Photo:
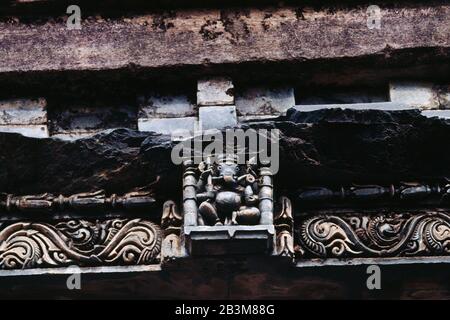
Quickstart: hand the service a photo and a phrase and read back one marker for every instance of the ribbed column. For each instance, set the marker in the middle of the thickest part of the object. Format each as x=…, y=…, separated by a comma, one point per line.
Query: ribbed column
x=266, y=196
x=189, y=197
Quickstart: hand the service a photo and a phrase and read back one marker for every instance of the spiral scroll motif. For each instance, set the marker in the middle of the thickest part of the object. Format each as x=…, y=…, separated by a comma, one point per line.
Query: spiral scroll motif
x=85, y=243
x=388, y=235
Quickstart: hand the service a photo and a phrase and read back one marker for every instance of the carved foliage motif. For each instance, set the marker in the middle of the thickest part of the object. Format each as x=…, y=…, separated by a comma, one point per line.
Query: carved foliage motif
x=388, y=235
x=84, y=243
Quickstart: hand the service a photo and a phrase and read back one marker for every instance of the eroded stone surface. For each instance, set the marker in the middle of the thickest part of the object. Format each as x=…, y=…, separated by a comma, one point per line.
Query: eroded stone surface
x=116, y=161
x=170, y=126
x=216, y=36
x=416, y=94
x=165, y=106
x=216, y=91
x=325, y=147
x=265, y=101
x=23, y=111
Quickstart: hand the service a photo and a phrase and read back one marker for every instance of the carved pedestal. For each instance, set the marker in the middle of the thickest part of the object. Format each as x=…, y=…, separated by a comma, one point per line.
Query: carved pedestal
x=227, y=240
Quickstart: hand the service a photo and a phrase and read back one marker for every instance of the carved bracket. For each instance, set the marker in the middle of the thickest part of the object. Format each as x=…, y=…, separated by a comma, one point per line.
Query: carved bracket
x=284, y=227
x=171, y=222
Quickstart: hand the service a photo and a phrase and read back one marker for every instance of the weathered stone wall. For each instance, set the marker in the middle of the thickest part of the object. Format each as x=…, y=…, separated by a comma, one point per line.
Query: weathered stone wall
x=89, y=80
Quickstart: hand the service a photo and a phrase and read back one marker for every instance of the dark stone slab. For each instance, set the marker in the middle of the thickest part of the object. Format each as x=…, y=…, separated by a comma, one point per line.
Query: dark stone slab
x=116, y=161
x=324, y=147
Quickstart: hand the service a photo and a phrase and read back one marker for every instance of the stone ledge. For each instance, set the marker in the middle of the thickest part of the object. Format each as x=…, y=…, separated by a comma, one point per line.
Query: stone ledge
x=312, y=263
x=228, y=240
x=444, y=114
x=83, y=270
x=168, y=125
x=23, y=112
x=386, y=106
x=32, y=131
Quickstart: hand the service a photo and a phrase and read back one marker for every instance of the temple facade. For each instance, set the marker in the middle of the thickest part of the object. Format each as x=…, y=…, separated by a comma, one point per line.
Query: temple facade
x=225, y=150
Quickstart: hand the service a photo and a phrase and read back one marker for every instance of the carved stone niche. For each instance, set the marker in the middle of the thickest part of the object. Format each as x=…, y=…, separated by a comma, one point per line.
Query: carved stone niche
x=227, y=207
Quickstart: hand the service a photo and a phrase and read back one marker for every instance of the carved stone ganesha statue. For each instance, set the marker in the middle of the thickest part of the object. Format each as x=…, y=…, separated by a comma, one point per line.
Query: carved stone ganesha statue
x=229, y=193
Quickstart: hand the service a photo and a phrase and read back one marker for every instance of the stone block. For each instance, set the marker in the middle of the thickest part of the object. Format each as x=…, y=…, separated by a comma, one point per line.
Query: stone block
x=170, y=126
x=217, y=117
x=165, y=106
x=215, y=92
x=33, y=131
x=23, y=111
x=417, y=94
x=79, y=119
x=265, y=101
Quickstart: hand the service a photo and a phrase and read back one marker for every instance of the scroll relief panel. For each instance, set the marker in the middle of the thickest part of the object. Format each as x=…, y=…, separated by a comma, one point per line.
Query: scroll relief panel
x=379, y=235
x=26, y=244
x=392, y=230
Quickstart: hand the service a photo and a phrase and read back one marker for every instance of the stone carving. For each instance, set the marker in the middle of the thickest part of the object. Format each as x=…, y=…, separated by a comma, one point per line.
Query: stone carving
x=78, y=202
x=284, y=227
x=386, y=235
x=171, y=219
x=404, y=192
x=26, y=245
x=171, y=222
x=227, y=207
x=231, y=194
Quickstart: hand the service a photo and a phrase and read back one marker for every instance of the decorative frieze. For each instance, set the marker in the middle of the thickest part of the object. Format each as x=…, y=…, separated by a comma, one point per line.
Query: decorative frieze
x=25, y=245
x=393, y=234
